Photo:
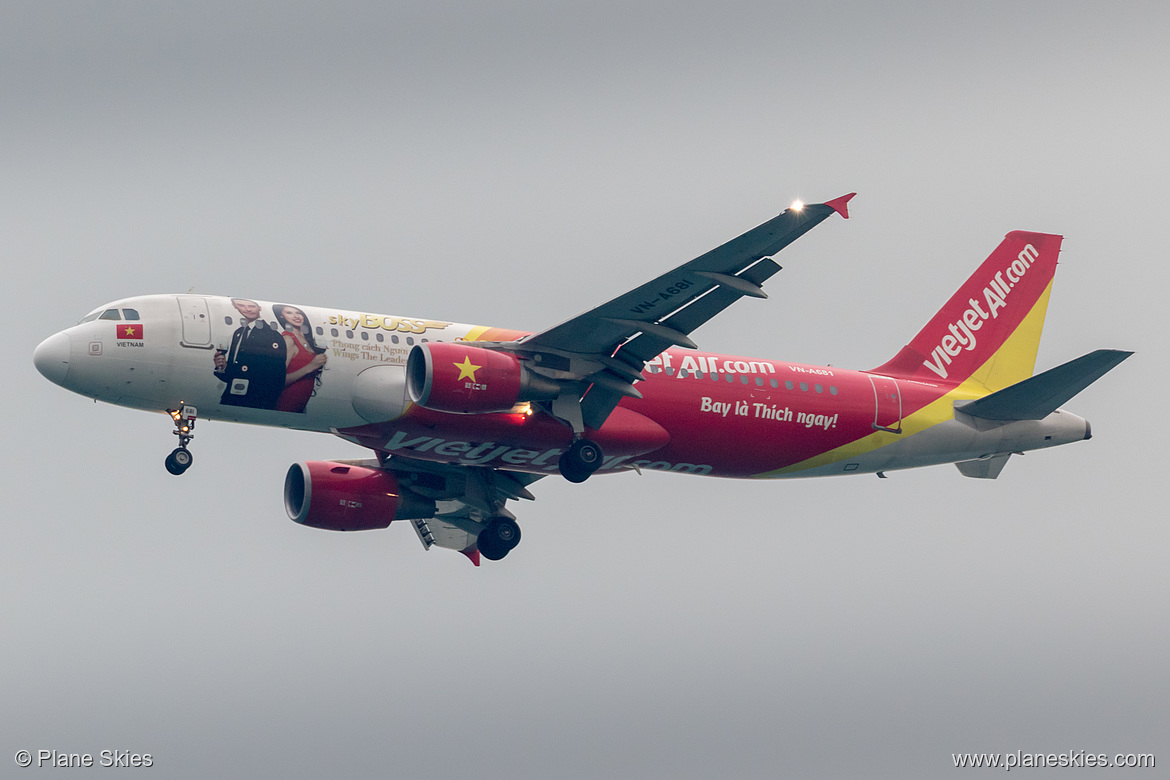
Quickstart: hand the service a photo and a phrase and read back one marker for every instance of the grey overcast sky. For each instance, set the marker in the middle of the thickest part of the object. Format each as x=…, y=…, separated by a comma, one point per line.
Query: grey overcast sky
x=511, y=164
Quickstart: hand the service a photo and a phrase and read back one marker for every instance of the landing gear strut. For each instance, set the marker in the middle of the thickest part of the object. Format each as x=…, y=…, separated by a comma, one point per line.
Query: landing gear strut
x=498, y=539
x=580, y=461
x=180, y=458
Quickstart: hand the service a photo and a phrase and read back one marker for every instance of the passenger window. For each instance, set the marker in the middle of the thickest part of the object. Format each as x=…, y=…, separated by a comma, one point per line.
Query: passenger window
x=788, y=384
x=832, y=390
x=714, y=377
x=394, y=338
x=130, y=314
x=804, y=387
x=320, y=331
x=743, y=378
x=670, y=371
x=365, y=335
x=819, y=388
x=759, y=381
x=334, y=332
x=775, y=384
x=379, y=337
x=410, y=341
x=110, y=314
x=730, y=378
x=227, y=320
x=349, y=334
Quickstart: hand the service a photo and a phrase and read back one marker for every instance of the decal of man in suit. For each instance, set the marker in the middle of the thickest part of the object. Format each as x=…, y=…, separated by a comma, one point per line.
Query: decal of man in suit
x=254, y=365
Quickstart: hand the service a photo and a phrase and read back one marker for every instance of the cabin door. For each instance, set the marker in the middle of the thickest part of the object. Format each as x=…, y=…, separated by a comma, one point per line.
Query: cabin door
x=196, y=321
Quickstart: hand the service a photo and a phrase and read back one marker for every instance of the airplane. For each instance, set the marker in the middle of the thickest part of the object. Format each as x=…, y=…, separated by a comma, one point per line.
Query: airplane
x=460, y=419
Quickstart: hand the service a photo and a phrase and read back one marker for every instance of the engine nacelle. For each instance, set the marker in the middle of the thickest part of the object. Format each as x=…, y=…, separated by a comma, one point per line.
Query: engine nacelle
x=455, y=377
x=346, y=497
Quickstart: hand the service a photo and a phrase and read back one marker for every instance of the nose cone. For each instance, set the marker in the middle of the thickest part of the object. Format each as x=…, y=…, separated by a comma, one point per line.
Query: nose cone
x=52, y=358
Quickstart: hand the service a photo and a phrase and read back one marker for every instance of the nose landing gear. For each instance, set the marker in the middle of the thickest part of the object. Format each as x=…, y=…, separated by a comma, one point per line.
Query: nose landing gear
x=180, y=458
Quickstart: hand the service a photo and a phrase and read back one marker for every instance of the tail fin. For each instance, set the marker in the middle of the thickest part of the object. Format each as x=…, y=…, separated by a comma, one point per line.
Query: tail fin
x=989, y=331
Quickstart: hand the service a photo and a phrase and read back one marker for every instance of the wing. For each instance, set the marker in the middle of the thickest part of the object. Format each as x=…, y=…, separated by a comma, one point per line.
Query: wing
x=606, y=348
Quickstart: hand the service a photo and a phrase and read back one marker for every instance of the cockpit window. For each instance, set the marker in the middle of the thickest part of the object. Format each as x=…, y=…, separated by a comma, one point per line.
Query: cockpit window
x=130, y=314
x=89, y=317
x=110, y=314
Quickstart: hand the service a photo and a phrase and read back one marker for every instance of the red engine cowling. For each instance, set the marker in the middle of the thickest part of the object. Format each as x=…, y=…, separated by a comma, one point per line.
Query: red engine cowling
x=342, y=497
x=455, y=377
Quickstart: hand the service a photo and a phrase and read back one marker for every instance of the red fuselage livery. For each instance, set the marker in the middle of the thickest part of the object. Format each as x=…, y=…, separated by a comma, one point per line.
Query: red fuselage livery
x=461, y=419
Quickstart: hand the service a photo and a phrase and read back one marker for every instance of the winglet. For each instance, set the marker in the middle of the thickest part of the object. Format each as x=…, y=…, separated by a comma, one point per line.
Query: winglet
x=841, y=204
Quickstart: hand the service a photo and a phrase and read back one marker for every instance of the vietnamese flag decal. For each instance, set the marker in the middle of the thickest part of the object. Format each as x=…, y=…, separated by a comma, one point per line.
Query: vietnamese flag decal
x=132, y=330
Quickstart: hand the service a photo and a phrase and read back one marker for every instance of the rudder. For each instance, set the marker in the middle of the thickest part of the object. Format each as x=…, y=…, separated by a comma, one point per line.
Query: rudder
x=989, y=331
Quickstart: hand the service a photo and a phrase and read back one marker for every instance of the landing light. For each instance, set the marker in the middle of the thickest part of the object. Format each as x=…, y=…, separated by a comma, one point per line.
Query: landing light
x=797, y=205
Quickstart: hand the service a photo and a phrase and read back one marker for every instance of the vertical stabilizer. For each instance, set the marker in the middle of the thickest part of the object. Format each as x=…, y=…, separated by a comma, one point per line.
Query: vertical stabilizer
x=989, y=331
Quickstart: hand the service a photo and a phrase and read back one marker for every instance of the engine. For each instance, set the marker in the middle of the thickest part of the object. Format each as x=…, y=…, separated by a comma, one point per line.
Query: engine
x=455, y=377
x=348, y=497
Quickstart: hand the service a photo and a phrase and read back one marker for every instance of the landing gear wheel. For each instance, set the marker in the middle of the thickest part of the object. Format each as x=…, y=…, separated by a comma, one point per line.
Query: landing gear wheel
x=180, y=458
x=179, y=461
x=498, y=539
x=580, y=461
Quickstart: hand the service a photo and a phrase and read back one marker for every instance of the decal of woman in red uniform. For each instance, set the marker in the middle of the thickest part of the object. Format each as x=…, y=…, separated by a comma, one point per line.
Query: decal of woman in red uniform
x=304, y=360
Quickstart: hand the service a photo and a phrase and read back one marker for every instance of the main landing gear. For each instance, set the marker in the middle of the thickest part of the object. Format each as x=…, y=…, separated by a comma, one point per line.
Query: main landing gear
x=180, y=458
x=580, y=461
x=499, y=538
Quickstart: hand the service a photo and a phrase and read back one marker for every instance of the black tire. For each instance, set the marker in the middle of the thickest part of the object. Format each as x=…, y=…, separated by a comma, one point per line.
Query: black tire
x=179, y=461
x=571, y=470
x=581, y=459
x=588, y=454
x=498, y=539
x=490, y=547
x=506, y=531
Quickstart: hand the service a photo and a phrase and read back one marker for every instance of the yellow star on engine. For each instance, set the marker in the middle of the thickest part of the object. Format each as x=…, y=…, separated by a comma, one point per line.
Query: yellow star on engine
x=466, y=369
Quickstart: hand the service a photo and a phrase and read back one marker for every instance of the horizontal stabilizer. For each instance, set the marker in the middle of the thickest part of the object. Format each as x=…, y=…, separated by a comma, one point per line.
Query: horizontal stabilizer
x=1043, y=394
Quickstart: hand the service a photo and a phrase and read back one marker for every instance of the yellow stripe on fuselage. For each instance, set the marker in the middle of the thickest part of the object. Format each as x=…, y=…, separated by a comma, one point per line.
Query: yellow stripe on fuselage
x=1013, y=362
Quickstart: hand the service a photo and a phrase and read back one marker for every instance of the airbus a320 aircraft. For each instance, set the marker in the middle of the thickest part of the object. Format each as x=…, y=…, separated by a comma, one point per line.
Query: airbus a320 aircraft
x=461, y=419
